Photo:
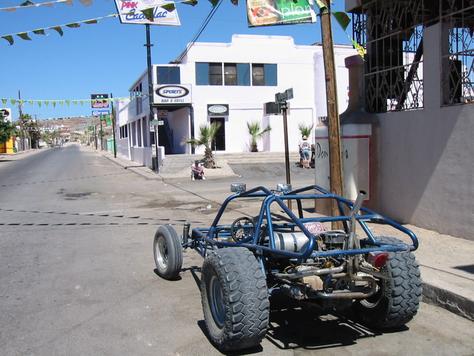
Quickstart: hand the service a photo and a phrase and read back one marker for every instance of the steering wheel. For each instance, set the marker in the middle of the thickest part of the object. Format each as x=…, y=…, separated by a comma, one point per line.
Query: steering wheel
x=242, y=228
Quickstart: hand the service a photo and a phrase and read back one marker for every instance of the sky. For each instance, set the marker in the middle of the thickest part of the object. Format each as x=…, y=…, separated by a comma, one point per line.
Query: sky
x=108, y=57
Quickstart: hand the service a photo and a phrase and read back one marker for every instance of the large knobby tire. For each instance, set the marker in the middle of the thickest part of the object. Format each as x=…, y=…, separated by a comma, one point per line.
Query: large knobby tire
x=234, y=299
x=168, y=252
x=398, y=298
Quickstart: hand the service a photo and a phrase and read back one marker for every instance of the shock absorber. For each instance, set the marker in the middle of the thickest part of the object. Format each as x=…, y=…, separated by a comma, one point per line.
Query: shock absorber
x=186, y=229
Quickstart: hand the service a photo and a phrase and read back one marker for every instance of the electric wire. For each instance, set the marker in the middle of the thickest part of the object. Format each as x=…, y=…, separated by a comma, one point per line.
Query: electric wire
x=198, y=33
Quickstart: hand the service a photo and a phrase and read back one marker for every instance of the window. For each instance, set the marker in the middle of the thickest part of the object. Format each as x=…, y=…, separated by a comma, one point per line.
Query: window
x=144, y=134
x=264, y=74
x=215, y=73
x=168, y=75
x=243, y=74
x=230, y=74
x=236, y=74
x=136, y=95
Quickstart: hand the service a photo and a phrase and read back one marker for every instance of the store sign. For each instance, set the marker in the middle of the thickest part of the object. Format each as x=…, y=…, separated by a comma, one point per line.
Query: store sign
x=6, y=113
x=100, y=101
x=130, y=12
x=218, y=109
x=279, y=12
x=172, y=94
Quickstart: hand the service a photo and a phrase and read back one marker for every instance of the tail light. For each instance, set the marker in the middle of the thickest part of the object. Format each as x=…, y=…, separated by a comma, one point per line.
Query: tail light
x=378, y=260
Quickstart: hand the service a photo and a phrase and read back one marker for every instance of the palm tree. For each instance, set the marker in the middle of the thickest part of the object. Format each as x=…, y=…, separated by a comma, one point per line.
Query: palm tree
x=207, y=134
x=255, y=133
x=305, y=130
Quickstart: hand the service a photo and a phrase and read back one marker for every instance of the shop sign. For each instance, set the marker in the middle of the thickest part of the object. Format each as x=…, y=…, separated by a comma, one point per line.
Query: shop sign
x=279, y=12
x=172, y=94
x=218, y=109
x=6, y=113
x=130, y=12
x=100, y=101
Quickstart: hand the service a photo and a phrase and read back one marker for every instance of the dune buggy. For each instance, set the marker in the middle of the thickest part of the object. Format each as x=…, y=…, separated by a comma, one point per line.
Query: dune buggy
x=295, y=253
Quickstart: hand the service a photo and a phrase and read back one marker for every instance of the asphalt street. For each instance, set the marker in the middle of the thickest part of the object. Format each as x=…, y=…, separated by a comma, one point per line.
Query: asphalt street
x=77, y=272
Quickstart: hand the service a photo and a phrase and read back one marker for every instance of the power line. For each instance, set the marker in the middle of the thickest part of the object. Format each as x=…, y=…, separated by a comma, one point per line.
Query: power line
x=198, y=33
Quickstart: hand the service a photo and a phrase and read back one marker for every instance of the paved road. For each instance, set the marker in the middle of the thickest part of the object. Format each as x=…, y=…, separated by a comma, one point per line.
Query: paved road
x=76, y=273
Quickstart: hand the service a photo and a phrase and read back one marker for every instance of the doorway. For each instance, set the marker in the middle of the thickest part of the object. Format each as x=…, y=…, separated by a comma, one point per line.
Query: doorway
x=219, y=142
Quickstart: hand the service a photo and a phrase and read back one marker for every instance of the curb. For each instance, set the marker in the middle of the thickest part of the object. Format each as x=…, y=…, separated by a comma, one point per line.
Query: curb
x=448, y=300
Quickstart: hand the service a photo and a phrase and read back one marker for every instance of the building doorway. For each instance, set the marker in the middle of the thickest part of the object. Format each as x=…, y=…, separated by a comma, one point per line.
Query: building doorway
x=219, y=142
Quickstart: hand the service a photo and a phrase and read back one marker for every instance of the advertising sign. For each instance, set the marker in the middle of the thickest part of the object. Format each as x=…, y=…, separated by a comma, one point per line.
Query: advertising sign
x=217, y=109
x=279, y=12
x=100, y=101
x=130, y=12
x=6, y=114
x=172, y=94
x=99, y=112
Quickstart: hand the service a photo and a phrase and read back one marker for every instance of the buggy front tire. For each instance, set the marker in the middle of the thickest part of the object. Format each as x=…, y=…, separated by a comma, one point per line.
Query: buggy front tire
x=167, y=252
x=399, y=295
x=234, y=299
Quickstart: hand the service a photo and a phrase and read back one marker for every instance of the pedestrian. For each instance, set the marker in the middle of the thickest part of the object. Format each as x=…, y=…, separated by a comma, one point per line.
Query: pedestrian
x=197, y=171
x=305, y=152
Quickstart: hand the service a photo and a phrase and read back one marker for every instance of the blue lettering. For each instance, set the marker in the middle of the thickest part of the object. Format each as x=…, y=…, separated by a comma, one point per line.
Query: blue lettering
x=132, y=15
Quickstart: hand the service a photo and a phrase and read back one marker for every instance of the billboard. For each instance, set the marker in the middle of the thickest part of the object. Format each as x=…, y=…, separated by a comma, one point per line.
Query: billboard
x=100, y=101
x=172, y=94
x=6, y=113
x=279, y=12
x=130, y=12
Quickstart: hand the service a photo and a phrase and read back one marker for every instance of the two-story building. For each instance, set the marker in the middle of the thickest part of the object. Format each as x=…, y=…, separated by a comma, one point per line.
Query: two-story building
x=229, y=83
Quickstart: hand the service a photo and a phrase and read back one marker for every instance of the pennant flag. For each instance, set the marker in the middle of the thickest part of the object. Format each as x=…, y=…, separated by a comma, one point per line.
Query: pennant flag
x=90, y=22
x=13, y=101
x=46, y=102
x=235, y=2
x=148, y=13
x=39, y=32
x=27, y=3
x=190, y=2
x=86, y=2
x=39, y=103
x=31, y=102
x=321, y=5
x=360, y=49
x=168, y=7
x=73, y=25
x=24, y=36
x=68, y=102
x=75, y=102
x=9, y=38
x=54, y=103
x=4, y=101
x=342, y=18
x=68, y=2
x=58, y=29
x=214, y=2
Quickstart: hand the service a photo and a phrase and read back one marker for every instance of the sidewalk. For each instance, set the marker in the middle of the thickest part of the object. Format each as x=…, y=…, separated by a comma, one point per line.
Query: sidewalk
x=18, y=155
x=446, y=262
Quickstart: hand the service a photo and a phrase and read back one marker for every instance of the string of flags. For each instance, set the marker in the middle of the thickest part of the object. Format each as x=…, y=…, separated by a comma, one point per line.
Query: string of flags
x=55, y=102
x=58, y=28
x=29, y=4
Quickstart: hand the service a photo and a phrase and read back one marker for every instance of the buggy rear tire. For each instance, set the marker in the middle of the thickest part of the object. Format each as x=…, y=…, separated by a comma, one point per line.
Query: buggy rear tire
x=234, y=299
x=167, y=252
x=398, y=298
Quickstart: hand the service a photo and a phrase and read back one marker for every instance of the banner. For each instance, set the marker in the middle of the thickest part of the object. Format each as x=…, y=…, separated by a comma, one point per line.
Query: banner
x=279, y=12
x=99, y=101
x=58, y=28
x=136, y=12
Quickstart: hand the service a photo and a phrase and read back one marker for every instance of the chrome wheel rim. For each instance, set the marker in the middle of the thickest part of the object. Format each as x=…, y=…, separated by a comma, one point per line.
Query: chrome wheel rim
x=216, y=301
x=161, y=252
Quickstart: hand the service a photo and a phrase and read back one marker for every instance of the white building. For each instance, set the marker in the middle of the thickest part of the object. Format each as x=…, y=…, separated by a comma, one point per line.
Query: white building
x=229, y=83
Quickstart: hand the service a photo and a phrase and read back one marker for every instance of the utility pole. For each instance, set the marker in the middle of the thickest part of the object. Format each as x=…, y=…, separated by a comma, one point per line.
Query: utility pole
x=334, y=129
x=112, y=113
x=20, y=111
x=148, y=46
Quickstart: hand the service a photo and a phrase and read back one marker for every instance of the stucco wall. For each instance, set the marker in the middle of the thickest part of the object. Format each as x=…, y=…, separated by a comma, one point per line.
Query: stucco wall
x=426, y=164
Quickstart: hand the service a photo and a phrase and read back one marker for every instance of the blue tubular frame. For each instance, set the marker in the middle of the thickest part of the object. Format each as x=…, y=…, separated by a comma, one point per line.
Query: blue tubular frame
x=202, y=238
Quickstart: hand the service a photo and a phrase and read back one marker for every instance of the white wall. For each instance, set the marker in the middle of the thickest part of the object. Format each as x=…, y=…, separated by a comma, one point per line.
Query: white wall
x=426, y=170
x=296, y=69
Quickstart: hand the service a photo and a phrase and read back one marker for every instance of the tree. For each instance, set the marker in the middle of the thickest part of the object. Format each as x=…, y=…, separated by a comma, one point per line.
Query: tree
x=7, y=129
x=207, y=134
x=255, y=133
x=305, y=130
x=30, y=126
